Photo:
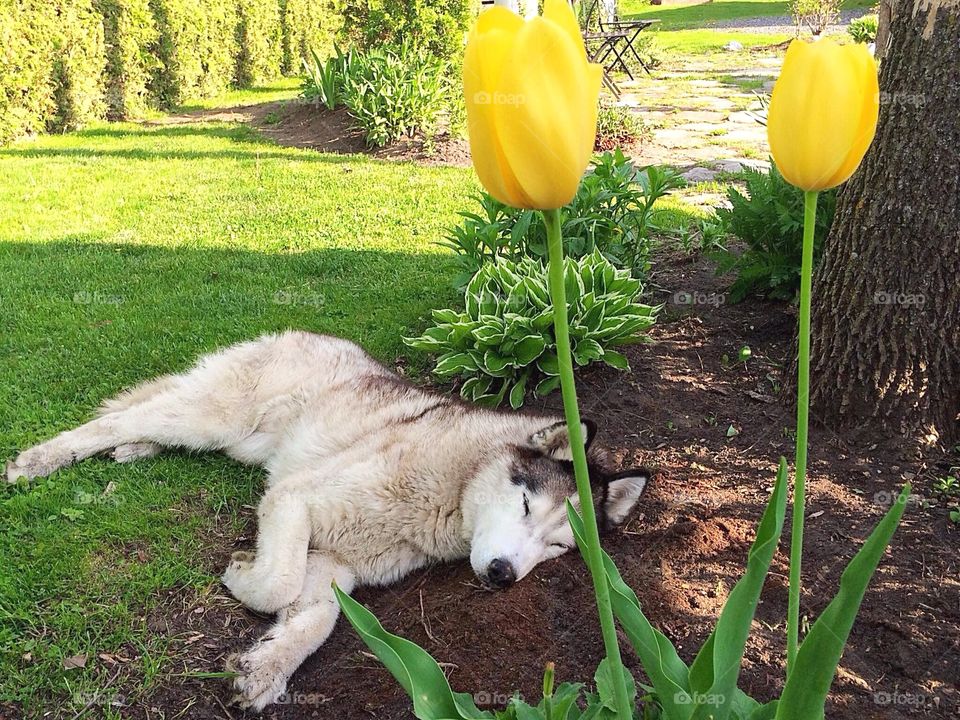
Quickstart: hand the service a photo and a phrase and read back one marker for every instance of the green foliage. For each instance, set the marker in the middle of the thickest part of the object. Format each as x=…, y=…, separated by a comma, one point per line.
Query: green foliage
x=618, y=126
x=864, y=29
x=503, y=344
x=53, y=60
x=702, y=235
x=769, y=219
x=129, y=31
x=66, y=62
x=78, y=63
x=610, y=213
x=433, y=699
x=816, y=15
x=324, y=80
x=259, y=42
x=196, y=49
x=308, y=25
x=390, y=92
x=805, y=691
x=436, y=25
x=28, y=31
x=418, y=673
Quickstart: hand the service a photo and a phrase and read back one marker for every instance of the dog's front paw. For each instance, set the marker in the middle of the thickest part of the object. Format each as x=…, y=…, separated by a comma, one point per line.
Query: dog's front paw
x=38, y=461
x=261, y=679
x=237, y=573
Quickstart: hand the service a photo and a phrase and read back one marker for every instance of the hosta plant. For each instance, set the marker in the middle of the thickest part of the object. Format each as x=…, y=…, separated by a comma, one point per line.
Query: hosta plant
x=502, y=346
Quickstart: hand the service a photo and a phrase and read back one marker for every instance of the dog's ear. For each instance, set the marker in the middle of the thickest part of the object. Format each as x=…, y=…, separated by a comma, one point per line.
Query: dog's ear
x=621, y=491
x=553, y=441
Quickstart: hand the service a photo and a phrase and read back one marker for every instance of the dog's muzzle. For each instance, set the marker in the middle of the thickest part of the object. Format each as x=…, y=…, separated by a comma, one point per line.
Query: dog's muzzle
x=500, y=574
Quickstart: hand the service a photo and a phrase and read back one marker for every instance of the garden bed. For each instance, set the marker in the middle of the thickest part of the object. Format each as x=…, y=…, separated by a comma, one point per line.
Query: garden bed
x=682, y=552
x=304, y=125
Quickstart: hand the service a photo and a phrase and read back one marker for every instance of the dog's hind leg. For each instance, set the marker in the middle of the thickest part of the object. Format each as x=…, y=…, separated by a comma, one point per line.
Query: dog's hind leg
x=167, y=412
x=273, y=578
x=300, y=629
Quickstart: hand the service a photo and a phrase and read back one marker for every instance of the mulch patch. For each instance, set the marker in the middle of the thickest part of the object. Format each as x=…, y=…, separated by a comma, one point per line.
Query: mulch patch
x=297, y=124
x=682, y=552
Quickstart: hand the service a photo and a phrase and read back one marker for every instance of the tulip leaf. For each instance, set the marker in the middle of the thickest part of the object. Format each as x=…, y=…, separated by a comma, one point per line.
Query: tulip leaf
x=805, y=691
x=667, y=672
x=417, y=672
x=767, y=711
x=714, y=672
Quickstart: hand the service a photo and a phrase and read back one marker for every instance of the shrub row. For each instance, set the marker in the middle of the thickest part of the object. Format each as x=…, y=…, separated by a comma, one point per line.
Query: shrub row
x=65, y=62
x=436, y=25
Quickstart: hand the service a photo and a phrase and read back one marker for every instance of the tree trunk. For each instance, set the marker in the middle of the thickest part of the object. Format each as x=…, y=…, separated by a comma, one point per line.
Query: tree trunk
x=886, y=301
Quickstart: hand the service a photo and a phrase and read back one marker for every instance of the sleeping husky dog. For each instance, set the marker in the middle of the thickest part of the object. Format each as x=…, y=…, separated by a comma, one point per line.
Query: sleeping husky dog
x=369, y=478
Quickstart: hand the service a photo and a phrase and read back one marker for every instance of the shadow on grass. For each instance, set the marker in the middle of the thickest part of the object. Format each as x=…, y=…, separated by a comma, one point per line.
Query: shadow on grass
x=92, y=317
x=255, y=146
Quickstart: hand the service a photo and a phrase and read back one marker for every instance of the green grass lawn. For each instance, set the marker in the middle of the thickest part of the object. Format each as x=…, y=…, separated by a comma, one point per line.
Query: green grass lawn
x=704, y=15
x=687, y=29
x=125, y=251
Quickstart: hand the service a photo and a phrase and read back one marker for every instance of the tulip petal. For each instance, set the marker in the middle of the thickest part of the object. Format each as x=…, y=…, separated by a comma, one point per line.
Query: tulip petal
x=561, y=13
x=547, y=134
x=816, y=119
x=866, y=68
x=484, y=59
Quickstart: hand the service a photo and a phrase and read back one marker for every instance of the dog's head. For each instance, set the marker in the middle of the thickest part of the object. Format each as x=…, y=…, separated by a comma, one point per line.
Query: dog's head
x=517, y=504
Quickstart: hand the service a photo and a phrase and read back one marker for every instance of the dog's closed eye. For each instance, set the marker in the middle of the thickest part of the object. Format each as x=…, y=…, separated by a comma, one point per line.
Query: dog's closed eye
x=526, y=506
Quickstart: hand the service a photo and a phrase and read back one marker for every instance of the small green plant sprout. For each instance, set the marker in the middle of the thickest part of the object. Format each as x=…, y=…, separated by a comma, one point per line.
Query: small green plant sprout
x=955, y=516
x=948, y=487
x=744, y=354
x=732, y=431
x=864, y=29
x=704, y=235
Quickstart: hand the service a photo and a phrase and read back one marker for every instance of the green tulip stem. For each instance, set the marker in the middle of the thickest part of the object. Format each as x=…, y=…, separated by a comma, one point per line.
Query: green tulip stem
x=558, y=296
x=803, y=410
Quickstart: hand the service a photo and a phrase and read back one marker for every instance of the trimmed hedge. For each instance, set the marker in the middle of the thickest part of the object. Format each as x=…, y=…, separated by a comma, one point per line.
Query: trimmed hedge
x=259, y=39
x=26, y=52
x=64, y=63
x=438, y=25
x=129, y=30
x=196, y=48
x=308, y=24
x=79, y=61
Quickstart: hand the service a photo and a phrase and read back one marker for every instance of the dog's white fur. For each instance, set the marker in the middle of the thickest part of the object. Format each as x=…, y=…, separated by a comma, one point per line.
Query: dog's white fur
x=369, y=478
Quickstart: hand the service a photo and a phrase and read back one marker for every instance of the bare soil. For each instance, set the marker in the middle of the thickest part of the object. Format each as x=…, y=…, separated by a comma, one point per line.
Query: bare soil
x=682, y=552
x=294, y=123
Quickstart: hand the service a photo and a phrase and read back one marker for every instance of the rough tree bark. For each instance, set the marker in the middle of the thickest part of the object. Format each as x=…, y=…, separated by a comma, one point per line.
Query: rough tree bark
x=886, y=314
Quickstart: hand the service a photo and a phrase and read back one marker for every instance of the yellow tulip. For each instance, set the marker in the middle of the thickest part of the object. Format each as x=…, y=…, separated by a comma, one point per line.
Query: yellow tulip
x=823, y=112
x=531, y=102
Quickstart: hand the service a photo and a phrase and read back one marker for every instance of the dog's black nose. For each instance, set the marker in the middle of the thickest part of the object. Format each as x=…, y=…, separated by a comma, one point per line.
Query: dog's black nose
x=500, y=574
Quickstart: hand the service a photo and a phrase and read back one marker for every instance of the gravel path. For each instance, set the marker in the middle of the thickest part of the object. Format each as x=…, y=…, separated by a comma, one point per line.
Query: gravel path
x=778, y=24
